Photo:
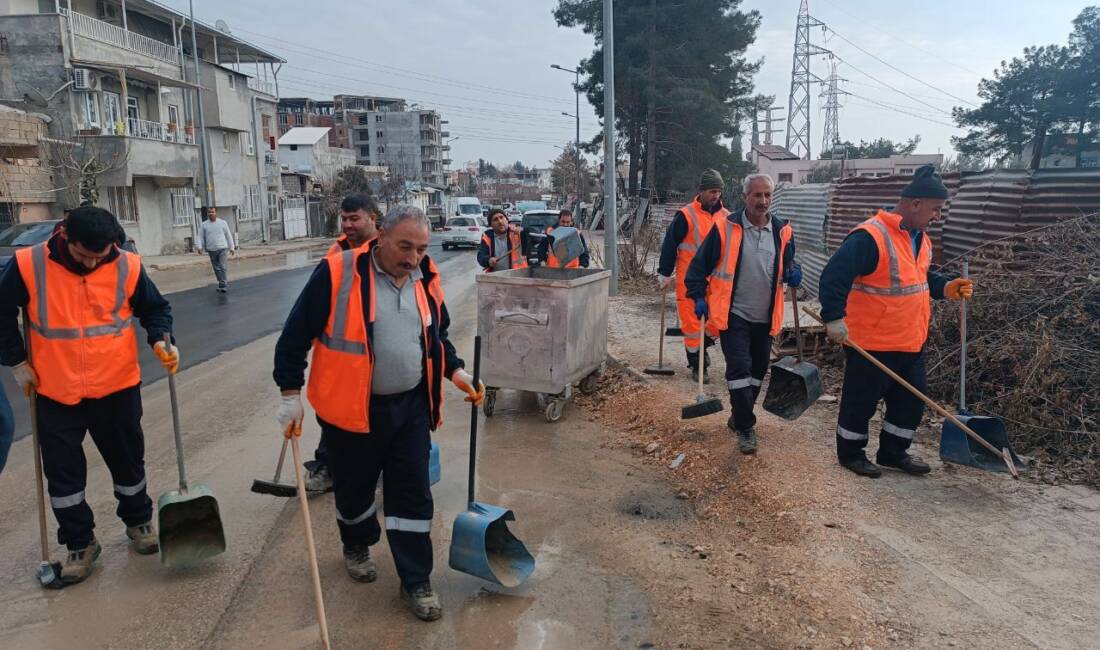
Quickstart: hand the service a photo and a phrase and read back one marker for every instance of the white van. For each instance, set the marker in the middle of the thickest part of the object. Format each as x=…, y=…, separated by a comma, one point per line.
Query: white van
x=463, y=206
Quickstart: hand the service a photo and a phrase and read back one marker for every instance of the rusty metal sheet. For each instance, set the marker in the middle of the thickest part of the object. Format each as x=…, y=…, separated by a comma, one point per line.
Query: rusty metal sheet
x=805, y=206
x=987, y=206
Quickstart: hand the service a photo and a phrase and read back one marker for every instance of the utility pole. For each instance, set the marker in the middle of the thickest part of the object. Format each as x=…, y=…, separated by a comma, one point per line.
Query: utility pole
x=611, y=219
x=831, y=94
x=577, y=115
x=767, y=120
x=798, y=116
x=208, y=200
x=651, y=109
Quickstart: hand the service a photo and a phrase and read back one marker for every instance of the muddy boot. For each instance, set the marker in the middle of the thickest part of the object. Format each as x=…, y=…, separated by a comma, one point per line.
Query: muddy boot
x=746, y=441
x=79, y=564
x=906, y=462
x=862, y=466
x=424, y=602
x=693, y=367
x=143, y=538
x=319, y=480
x=360, y=567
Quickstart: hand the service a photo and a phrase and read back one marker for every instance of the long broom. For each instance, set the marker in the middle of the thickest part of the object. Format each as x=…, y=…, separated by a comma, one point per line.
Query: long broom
x=703, y=405
x=661, y=368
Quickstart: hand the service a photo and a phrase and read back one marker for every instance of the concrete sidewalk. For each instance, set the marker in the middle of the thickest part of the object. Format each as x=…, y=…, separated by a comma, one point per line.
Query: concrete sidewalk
x=248, y=251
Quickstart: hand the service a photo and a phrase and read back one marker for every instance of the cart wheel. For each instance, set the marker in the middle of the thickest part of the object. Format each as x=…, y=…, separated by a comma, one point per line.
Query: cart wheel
x=490, y=403
x=554, y=410
x=590, y=383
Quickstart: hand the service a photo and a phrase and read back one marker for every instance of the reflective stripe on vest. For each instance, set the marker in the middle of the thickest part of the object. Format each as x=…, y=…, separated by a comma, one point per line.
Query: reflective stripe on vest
x=336, y=340
x=38, y=263
x=896, y=288
x=729, y=251
x=695, y=228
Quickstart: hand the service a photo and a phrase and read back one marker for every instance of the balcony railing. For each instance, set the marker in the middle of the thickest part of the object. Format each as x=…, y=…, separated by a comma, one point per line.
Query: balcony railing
x=146, y=130
x=85, y=25
x=261, y=86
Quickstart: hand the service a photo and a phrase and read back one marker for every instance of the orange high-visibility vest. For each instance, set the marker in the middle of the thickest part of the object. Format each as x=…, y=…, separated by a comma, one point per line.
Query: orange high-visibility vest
x=888, y=310
x=552, y=260
x=514, y=244
x=81, y=326
x=343, y=363
x=699, y=223
x=720, y=283
x=341, y=244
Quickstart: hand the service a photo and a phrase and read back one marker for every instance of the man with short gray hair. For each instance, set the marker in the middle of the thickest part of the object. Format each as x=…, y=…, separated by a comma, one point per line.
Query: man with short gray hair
x=736, y=282
x=375, y=319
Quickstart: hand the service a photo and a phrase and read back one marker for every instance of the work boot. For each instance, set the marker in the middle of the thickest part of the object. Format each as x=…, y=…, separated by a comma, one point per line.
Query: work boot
x=144, y=538
x=746, y=440
x=79, y=564
x=319, y=480
x=360, y=567
x=424, y=602
x=907, y=463
x=860, y=465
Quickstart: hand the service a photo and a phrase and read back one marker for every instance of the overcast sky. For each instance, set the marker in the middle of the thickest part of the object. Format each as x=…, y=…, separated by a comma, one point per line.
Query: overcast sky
x=485, y=64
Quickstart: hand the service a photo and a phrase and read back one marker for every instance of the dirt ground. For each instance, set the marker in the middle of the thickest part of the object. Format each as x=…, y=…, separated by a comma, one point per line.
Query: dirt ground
x=808, y=555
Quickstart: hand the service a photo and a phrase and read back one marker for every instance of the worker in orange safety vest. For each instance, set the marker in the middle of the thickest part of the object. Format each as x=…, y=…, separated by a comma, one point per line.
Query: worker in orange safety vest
x=565, y=220
x=358, y=216
x=503, y=246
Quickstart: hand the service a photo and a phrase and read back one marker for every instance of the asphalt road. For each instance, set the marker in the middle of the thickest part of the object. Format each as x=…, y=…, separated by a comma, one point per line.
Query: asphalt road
x=208, y=323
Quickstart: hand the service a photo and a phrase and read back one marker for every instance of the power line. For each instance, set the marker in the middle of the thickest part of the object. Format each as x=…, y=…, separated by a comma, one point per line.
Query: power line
x=898, y=110
x=899, y=70
x=893, y=88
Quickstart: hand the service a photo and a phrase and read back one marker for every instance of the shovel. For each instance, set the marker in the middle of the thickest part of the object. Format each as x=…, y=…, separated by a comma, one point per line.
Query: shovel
x=481, y=544
x=955, y=447
x=661, y=368
x=274, y=487
x=1004, y=454
x=703, y=405
x=188, y=519
x=795, y=384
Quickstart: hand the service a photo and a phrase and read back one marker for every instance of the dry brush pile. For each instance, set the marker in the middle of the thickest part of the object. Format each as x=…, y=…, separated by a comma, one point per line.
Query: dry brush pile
x=1033, y=346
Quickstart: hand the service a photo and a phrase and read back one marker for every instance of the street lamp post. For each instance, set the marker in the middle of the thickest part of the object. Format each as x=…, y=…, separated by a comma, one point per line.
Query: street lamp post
x=577, y=92
x=446, y=171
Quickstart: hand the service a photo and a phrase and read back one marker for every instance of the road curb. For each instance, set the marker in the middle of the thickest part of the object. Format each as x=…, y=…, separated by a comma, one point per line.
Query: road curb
x=250, y=255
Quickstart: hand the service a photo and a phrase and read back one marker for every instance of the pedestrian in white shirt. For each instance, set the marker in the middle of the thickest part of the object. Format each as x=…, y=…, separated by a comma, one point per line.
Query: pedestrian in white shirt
x=216, y=239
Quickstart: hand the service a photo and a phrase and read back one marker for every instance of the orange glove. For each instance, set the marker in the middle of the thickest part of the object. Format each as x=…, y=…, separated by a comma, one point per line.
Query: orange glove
x=169, y=356
x=959, y=289
x=465, y=382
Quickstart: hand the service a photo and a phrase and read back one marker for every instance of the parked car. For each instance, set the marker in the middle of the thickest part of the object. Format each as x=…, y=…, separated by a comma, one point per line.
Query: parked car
x=22, y=235
x=463, y=231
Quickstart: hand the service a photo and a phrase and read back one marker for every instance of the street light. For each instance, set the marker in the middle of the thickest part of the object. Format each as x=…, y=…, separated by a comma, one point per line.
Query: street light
x=446, y=171
x=577, y=91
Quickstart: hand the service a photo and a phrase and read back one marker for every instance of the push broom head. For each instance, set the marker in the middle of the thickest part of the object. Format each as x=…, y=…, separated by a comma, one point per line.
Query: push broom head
x=663, y=371
x=703, y=406
x=274, y=489
x=674, y=331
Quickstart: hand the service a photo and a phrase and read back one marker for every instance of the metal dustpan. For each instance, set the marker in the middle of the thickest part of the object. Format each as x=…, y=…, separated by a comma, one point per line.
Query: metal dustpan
x=566, y=243
x=481, y=544
x=795, y=384
x=188, y=520
x=957, y=447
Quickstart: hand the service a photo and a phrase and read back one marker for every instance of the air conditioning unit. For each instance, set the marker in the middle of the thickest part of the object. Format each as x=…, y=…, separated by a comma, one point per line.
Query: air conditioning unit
x=83, y=79
x=106, y=10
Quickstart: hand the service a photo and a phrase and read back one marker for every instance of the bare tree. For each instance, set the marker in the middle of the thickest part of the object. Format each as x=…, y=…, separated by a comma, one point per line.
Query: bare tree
x=79, y=161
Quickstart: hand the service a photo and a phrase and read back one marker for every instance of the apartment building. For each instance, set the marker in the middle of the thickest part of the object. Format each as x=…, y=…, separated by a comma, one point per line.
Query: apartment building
x=408, y=142
x=117, y=81
x=297, y=112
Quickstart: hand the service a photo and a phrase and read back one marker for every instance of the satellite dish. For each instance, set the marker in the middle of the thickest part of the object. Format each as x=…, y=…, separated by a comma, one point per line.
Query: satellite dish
x=222, y=26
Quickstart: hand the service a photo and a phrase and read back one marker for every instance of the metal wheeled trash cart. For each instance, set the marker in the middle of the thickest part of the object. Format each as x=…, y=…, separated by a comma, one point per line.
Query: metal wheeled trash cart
x=543, y=330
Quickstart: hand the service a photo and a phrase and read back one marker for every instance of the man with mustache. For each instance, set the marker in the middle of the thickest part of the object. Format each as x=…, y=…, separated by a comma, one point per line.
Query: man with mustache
x=736, y=282
x=376, y=308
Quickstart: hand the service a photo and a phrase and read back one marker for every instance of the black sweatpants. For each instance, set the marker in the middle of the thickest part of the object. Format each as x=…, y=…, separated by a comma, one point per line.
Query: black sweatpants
x=864, y=386
x=398, y=446
x=115, y=424
x=747, y=348
x=320, y=455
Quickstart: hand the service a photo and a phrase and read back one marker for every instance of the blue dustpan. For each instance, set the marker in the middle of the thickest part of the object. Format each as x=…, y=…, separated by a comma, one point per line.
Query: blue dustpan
x=433, y=465
x=481, y=544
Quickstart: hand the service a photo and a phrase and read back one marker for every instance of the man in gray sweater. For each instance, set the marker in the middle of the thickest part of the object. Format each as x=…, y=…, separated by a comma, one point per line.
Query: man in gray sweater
x=216, y=239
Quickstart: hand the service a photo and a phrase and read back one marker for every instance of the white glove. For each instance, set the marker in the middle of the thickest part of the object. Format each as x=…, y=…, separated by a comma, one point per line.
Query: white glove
x=290, y=414
x=837, y=330
x=464, y=381
x=663, y=281
x=25, y=377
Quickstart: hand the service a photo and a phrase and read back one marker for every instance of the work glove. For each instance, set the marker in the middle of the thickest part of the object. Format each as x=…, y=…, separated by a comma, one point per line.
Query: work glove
x=959, y=289
x=663, y=281
x=793, y=276
x=465, y=382
x=169, y=356
x=25, y=376
x=290, y=414
x=701, y=309
x=837, y=330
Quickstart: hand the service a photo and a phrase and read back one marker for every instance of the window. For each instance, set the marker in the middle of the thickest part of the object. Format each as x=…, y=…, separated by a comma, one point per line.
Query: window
x=132, y=109
x=273, y=207
x=232, y=80
x=905, y=170
x=282, y=118
x=298, y=118
x=91, y=110
x=249, y=210
x=248, y=143
x=121, y=203
x=381, y=149
x=265, y=121
x=112, y=113
x=378, y=134
x=786, y=178
x=364, y=151
x=293, y=147
x=378, y=118
x=225, y=142
x=183, y=206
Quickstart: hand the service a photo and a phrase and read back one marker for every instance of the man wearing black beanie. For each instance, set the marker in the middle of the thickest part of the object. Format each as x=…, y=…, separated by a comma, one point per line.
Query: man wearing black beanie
x=875, y=292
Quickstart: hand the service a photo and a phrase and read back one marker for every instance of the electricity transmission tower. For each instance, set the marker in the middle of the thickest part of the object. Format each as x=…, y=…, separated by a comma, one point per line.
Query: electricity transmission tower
x=831, y=94
x=798, y=115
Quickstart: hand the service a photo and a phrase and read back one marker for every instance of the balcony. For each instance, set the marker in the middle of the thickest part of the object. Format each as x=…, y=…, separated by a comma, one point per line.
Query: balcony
x=146, y=130
x=261, y=86
x=142, y=148
x=97, y=30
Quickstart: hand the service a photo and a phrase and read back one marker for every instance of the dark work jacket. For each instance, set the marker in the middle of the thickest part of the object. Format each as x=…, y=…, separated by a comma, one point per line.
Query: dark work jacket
x=856, y=256
x=309, y=316
x=485, y=251
x=674, y=236
x=709, y=256
x=152, y=310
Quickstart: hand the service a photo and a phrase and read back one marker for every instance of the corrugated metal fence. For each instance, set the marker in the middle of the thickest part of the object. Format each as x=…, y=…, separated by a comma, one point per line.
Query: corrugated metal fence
x=805, y=207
